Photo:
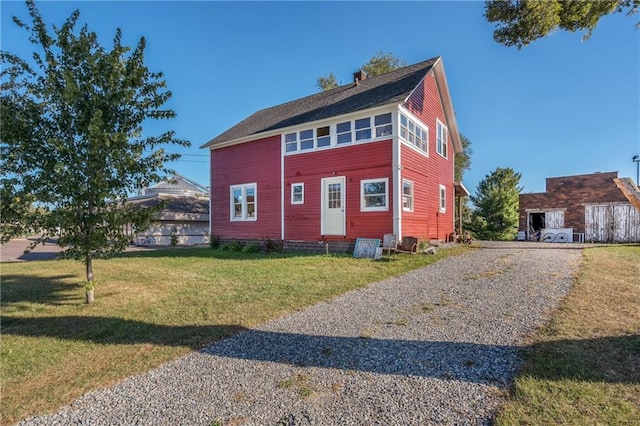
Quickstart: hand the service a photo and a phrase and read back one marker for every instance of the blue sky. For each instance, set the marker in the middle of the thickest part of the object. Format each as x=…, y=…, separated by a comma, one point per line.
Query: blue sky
x=558, y=107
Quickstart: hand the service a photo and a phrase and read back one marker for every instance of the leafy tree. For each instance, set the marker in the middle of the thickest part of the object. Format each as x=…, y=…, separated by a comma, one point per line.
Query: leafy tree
x=462, y=159
x=462, y=163
x=520, y=22
x=379, y=63
x=327, y=82
x=71, y=140
x=496, y=206
x=382, y=63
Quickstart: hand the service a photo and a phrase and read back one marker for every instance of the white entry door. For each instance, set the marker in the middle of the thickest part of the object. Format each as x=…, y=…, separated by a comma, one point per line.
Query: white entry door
x=333, y=211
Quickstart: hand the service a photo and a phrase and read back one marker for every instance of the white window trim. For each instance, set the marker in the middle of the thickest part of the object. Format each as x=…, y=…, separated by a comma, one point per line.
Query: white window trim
x=317, y=138
x=363, y=208
x=410, y=209
x=284, y=142
x=442, y=197
x=301, y=184
x=445, y=145
x=375, y=126
x=351, y=133
x=311, y=139
x=333, y=132
x=243, y=187
x=416, y=121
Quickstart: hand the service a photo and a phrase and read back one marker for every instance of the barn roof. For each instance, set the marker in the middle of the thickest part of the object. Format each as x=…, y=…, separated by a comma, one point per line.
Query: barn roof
x=175, y=204
x=177, y=184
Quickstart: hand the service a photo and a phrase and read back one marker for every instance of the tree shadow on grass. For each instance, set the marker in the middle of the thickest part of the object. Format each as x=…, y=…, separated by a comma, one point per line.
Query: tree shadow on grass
x=206, y=253
x=116, y=331
x=463, y=361
x=51, y=290
x=613, y=359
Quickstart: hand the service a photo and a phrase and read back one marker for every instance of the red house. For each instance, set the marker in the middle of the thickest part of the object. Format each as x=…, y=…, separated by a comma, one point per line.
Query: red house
x=368, y=158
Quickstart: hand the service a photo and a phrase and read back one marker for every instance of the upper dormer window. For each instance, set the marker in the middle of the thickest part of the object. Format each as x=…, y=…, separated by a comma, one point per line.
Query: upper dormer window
x=414, y=133
x=306, y=140
x=383, y=125
x=359, y=130
x=323, y=135
x=291, y=142
x=363, y=129
x=344, y=132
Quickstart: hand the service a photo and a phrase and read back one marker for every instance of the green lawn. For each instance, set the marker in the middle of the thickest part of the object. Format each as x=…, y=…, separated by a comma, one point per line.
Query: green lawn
x=583, y=368
x=151, y=307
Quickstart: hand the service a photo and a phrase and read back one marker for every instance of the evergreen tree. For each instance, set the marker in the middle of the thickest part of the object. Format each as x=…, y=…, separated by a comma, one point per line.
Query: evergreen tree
x=496, y=201
x=71, y=140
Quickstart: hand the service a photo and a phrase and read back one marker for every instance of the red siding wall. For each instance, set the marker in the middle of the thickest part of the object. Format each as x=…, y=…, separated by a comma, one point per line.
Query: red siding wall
x=425, y=104
x=258, y=161
x=415, y=167
x=355, y=163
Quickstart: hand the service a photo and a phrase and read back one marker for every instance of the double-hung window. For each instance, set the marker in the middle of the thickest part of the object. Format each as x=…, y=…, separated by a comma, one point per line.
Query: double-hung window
x=383, y=125
x=363, y=129
x=291, y=142
x=421, y=139
x=344, y=132
x=375, y=194
x=441, y=138
x=297, y=193
x=244, y=202
x=443, y=199
x=404, y=127
x=323, y=136
x=306, y=140
x=412, y=132
x=407, y=195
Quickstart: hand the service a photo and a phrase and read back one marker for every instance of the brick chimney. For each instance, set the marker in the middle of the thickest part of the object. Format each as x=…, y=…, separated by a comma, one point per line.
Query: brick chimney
x=359, y=76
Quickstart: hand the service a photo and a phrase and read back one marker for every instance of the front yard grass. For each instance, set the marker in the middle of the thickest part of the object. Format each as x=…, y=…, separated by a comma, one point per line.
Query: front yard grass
x=583, y=368
x=151, y=307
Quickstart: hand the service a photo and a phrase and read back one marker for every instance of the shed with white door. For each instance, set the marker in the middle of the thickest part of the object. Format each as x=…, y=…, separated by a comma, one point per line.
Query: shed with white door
x=597, y=207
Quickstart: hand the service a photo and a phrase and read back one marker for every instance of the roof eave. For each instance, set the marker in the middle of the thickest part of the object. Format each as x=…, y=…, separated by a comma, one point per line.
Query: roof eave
x=262, y=135
x=461, y=190
x=630, y=191
x=243, y=139
x=445, y=99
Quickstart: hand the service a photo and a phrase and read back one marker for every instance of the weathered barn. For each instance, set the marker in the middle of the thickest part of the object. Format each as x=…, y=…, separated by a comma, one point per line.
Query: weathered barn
x=598, y=207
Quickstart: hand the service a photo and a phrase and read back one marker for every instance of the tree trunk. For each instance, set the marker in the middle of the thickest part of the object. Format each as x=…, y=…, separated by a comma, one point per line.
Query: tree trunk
x=89, y=296
x=89, y=289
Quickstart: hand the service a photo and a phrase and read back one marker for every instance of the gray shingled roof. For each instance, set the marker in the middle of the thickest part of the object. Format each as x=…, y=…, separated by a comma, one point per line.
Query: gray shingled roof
x=175, y=204
x=177, y=184
x=392, y=87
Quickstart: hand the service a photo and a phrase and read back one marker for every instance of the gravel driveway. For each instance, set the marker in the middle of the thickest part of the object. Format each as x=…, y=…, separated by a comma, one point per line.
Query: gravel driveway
x=434, y=346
